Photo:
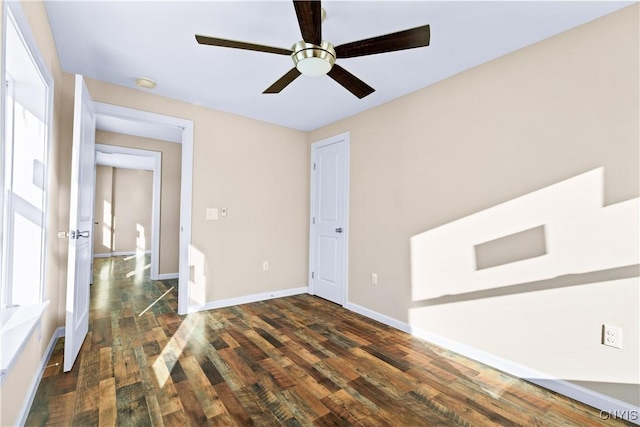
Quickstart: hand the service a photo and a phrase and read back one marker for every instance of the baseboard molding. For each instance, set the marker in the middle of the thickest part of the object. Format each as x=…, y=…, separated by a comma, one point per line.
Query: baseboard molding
x=587, y=396
x=167, y=276
x=389, y=321
x=107, y=255
x=31, y=394
x=248, y=299
x=121, y=253
x=128, y=253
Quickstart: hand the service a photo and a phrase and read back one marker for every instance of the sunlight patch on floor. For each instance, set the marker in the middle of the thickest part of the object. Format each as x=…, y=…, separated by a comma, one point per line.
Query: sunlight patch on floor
x=154, y=303
x=163, y=366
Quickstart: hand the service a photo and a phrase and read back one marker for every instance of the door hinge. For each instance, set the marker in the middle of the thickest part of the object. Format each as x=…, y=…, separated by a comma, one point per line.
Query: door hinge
x=313, y=275
x=314, y=220
x=314, y=166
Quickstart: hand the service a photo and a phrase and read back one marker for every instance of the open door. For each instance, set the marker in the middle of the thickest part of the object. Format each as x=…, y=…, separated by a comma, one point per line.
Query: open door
x=80, y=223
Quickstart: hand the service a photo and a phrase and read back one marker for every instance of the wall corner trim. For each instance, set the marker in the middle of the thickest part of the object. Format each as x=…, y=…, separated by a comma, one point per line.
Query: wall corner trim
x=582, y=394
x=31, y=392
x=248, y=299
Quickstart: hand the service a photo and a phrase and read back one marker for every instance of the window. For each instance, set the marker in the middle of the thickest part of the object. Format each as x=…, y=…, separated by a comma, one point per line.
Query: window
x=25, y=129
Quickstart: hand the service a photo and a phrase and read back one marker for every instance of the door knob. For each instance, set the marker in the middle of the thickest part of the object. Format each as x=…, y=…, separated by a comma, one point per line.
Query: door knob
x=339, y=230
x=76, y=234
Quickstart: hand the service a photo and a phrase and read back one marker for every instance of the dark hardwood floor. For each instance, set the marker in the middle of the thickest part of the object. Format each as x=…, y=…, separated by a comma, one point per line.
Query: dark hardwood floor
x=291, y=361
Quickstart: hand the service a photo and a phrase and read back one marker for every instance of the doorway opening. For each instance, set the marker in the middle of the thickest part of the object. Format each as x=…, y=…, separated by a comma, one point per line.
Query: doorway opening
x=137, y=160
x=128, y=121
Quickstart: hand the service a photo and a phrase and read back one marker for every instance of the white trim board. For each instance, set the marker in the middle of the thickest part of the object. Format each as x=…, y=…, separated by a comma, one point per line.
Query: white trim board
x=249, y=299
x=13, y=11
x=125, y=253
x=566, y=388
x=35, y=382
x=16, y=332
x=185, y=128
x=168, y=276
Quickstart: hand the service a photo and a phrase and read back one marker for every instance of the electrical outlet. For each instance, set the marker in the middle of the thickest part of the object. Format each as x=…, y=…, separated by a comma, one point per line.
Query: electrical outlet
x=265, y=265
x=612, y=336
x=374, y=279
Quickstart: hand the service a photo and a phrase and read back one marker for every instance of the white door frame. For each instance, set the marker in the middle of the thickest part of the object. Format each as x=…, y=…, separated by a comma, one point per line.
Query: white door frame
x=144, y=122
x=314, y=148
x=133, y=158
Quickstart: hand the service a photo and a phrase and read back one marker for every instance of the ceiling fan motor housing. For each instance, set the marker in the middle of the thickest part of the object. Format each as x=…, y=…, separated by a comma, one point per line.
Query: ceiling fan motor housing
x=313, y=60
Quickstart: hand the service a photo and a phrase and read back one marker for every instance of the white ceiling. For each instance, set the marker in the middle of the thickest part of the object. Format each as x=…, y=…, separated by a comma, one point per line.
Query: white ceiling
x=118, y=41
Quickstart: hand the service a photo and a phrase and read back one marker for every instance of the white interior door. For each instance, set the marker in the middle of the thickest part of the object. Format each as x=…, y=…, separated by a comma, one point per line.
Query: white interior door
x=80, y=223
x=329, y=214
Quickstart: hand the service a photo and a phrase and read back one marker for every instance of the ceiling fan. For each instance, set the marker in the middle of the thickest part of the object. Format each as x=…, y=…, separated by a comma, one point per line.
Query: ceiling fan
x=314, y=56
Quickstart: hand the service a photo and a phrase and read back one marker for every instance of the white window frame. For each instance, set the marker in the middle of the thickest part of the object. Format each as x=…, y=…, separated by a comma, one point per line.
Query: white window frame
x=19, y=322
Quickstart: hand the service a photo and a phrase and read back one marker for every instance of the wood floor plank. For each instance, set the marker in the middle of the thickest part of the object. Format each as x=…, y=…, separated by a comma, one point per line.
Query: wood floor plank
x=204, y=391
x=107, y=410
x=132, y=406
x=192, y=410
x=345, y=405
x=309, y=404
x=106, y=363
x=294, y=361
x=234, y=407
x=60, y=409
x=88, y=396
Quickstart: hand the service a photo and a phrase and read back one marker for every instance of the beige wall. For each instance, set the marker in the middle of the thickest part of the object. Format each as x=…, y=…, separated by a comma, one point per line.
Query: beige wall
x=170, y=196
x=132, y=198
x=14, y=389
x=502, y=130
x=103, y=211
x=123, y=208
x=260, y=173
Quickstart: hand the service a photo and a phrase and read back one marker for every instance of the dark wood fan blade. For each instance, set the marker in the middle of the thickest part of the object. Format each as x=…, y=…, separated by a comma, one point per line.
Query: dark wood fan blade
x=310, y=20
x=350, y=82
x=283, y=81
x=212, y=41
x=408, y=39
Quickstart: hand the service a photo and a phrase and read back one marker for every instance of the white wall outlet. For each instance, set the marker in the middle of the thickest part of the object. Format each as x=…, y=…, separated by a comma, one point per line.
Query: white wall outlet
x=374, y=279
x=223, y=211
x=265, y=265
x=612, y=336
x=212, y=214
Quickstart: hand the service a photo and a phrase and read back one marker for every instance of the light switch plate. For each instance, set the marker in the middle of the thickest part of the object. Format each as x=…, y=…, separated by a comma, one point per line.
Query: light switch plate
x=212, y=214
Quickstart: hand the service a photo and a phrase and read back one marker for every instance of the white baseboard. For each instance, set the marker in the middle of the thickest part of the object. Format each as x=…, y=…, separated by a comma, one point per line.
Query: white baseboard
x=121, y=253
x=107, y=255
x=128, y=253
x=587, y=396
x=167, y=276
x=35, y=382
x=389, y=321
x=247, y=299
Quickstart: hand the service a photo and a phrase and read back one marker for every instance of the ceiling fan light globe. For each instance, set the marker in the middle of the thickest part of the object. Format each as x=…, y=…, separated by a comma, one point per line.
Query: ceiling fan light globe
x=313, y=66
x=312, y=60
